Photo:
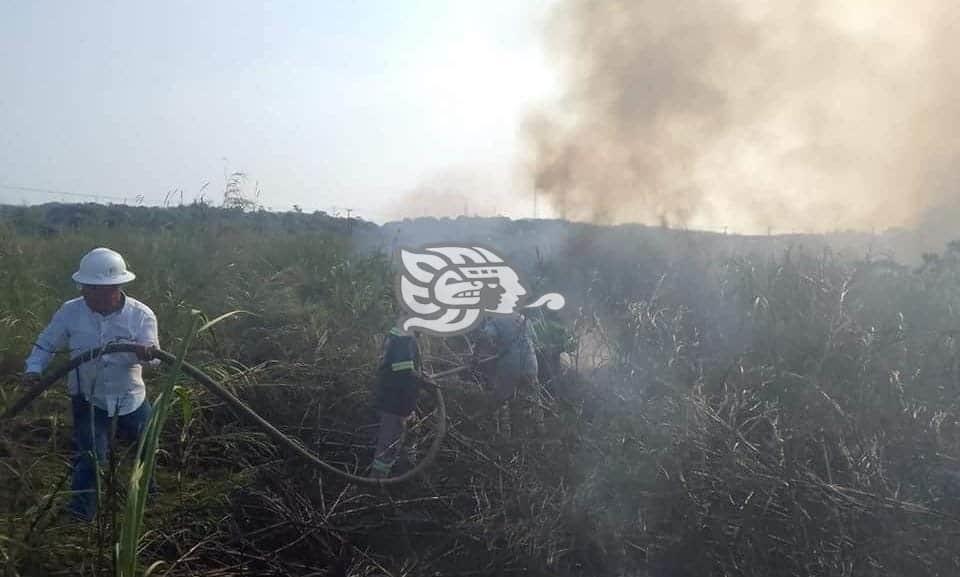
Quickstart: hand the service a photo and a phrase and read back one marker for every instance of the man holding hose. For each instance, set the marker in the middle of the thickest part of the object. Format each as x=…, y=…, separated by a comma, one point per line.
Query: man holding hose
x=109, y=386
x=398, y=383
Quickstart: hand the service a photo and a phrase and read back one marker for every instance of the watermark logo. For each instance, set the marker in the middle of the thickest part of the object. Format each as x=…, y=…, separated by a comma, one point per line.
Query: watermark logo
x=447, y=289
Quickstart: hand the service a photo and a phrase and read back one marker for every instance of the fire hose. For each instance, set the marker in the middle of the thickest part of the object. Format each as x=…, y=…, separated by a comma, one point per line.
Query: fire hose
x=240, y=407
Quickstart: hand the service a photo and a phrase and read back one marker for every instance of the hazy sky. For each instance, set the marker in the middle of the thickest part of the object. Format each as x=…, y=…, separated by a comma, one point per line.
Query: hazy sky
x=793, y=115
x=324, y=103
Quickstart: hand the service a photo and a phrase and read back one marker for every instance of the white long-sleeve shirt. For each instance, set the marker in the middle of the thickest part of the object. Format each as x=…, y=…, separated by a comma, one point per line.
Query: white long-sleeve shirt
x=112, y=382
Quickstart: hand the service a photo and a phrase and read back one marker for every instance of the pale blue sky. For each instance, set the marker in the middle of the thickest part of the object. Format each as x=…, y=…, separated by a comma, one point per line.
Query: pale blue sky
x=325, y=103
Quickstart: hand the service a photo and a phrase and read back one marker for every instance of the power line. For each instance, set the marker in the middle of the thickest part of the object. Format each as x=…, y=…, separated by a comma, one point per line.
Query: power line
x=62, y=192
x=139, y=199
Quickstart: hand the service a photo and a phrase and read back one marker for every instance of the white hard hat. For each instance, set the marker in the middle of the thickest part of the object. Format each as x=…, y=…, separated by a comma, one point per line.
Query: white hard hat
x=102, y=266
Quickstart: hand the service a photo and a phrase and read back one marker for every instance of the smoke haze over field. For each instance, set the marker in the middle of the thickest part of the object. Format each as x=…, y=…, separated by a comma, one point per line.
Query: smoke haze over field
x=455, y=192
x=796, y=115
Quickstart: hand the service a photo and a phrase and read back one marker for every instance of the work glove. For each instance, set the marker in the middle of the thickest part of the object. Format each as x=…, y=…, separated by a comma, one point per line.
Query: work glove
x=30, y=380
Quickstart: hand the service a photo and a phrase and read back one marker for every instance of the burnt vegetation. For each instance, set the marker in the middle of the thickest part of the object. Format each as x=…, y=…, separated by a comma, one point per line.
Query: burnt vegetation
x=715, y=405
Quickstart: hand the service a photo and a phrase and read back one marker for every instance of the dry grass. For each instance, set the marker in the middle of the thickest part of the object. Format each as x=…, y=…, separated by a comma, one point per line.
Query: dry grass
x=751, y=416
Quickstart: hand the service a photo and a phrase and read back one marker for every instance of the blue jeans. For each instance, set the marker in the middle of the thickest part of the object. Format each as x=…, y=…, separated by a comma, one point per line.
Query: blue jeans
x=89, y=436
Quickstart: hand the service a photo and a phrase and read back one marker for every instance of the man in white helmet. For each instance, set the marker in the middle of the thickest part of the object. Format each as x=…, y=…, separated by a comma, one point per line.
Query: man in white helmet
x=109, y=386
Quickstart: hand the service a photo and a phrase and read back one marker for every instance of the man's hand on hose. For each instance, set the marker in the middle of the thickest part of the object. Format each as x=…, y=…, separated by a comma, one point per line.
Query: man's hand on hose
x=422, y=379
x=30, y=380
x=146, y=352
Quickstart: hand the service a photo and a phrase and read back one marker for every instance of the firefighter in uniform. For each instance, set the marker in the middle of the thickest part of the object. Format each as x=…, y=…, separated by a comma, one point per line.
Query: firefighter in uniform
x=398, y=384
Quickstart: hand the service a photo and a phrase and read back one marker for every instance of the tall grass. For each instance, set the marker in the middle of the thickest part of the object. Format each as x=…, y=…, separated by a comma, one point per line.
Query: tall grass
x=128, y=544
x=744, y=414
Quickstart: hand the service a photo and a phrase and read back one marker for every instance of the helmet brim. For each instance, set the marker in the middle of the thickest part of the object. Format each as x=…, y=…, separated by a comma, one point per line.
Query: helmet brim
x=124, y=278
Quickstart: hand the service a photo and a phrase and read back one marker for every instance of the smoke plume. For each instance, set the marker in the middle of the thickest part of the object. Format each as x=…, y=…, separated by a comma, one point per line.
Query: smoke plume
x=451, y=193
x=794, y=115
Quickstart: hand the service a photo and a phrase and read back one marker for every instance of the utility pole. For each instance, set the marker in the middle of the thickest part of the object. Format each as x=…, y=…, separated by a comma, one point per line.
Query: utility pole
x=534, y=202
x=349, y=221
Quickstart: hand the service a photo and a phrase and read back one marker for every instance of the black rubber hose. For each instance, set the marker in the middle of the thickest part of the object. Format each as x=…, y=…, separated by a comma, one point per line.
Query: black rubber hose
x=217, y=389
